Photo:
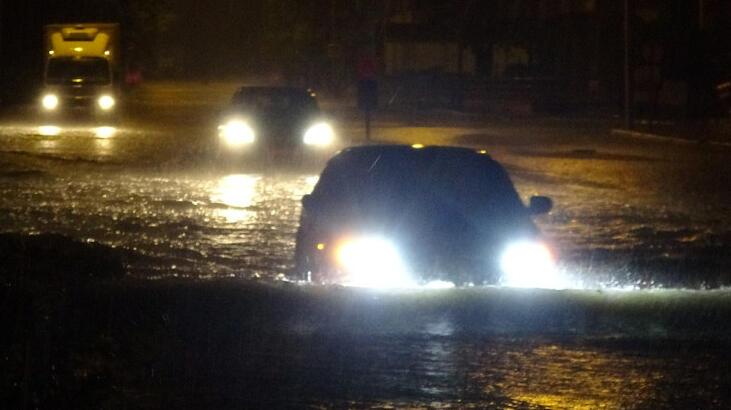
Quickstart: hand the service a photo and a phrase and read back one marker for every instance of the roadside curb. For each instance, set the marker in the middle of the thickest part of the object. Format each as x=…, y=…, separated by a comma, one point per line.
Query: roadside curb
x=659, y=137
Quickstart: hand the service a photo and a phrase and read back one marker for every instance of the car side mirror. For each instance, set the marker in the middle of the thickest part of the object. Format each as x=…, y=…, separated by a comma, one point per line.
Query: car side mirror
x=540, y=205
x=308, y=202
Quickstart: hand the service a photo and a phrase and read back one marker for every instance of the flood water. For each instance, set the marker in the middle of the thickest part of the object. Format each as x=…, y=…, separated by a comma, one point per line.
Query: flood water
x=620, y=220
x=642, y=237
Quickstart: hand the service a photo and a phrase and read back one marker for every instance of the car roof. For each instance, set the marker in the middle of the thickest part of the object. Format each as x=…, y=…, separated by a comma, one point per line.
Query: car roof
x=412, y=162
x=380, y=174
x=274, y=90
x=416, y=150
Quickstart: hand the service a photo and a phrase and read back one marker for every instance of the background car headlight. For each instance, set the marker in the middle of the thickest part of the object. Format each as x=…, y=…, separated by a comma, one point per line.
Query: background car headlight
x=106, y=102
x=237, y=133
x=320, y=134
x=50, y=102
x=372, y=262
x=529, y=264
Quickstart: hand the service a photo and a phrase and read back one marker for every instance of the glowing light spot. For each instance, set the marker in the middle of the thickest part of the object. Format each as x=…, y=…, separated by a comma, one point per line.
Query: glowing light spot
x=49, y=130
x=528, y=264
x=237, y=133
x=320, y=135
x=78, y=49
x=237, y=192
x=51, y=52
x=105, y=132
x=50, y=102
x=417, y=146
x=439, y=284
x=373, y=262
x=106, y=102
x=482, y=152
x=320, y=246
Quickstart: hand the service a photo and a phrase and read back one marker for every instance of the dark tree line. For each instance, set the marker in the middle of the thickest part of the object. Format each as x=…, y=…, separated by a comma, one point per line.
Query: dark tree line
x=319, y=41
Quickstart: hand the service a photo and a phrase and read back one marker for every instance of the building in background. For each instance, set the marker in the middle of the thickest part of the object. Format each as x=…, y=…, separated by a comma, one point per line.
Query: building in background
x=560, y=55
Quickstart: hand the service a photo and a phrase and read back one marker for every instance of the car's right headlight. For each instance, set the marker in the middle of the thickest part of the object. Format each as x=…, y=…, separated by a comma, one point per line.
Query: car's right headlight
x=50, y=102
x=530, y=264
x=106, y=102
x=320, y=135
x=372, y=262
x=237, y=133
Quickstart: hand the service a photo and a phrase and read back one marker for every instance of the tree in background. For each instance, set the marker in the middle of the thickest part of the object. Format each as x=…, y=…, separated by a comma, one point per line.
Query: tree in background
x=145, y=25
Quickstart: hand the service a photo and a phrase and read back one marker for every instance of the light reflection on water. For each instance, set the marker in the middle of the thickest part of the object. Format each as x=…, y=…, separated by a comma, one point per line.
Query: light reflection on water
x=237, y=193
x=104, y=146
x=503, y=373
x=47, y=144
x=105, y=132
x=49, y=130
x=553, y=376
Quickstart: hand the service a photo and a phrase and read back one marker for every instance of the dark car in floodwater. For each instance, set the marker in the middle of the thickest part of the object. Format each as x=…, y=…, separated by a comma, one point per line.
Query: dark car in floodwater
x=269, y=122
x=399, y=215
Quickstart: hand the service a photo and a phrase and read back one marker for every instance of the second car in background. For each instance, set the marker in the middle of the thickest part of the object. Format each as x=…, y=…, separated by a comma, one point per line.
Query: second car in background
x=274, y=123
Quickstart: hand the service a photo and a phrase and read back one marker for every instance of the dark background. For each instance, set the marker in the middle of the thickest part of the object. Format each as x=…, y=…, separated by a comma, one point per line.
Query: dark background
x=577, y=43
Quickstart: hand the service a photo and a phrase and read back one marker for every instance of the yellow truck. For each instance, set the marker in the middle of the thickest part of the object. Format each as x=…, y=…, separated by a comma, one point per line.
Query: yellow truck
x=81, y=70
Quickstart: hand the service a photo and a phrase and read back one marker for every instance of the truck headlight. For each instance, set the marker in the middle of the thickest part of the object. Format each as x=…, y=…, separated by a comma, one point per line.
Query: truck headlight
x=106, y=102
x=320, y=134
x=50, y=102
x=237, y=133
x=529, y=264
x=372, y=262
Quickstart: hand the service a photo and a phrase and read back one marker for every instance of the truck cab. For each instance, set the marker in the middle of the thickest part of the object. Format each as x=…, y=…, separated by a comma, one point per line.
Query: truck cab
x=80, y=71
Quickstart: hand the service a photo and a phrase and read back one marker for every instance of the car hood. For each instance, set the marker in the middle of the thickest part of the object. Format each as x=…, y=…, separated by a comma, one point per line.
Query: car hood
x=273, y=121
x=78, y=90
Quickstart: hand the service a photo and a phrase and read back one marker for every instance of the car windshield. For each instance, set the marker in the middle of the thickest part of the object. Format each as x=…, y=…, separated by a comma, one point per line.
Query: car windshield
x=384, y=182
x=274, y=100
x=81, y=70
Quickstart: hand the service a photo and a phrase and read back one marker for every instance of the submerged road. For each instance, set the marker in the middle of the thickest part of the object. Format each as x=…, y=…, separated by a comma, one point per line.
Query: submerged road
x=630, y=213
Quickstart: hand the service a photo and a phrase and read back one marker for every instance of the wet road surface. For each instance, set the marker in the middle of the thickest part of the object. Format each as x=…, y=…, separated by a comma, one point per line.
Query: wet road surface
x=629, y=214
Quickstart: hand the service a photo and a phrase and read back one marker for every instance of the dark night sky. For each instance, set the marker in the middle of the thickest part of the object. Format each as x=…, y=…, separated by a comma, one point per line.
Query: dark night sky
x=21, y=33
x=222, y=37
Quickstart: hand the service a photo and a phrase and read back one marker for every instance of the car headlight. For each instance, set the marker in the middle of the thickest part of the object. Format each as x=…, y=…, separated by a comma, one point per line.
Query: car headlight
x=106, y=102
x=320, y=134
x=237, y=133
x=372, y=262
x=49, y=102
x=529, y=264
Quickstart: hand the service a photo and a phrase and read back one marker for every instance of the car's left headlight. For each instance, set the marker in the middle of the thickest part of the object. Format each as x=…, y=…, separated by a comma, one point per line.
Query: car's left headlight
x=50, y=102
x=237, y=133
x=530, y=264
x=320, y=134
x=372, y=262
x=106, y=102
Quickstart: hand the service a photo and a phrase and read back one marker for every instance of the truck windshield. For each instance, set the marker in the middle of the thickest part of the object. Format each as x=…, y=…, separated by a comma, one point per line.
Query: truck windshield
x=78, y=70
